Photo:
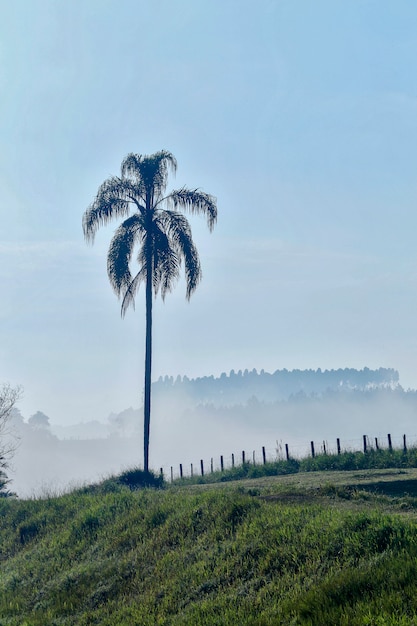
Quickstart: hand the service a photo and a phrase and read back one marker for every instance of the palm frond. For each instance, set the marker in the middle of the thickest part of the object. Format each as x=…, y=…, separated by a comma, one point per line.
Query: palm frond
x=113, y=199
x=166, y=262
x=120, y=252
x=131, y=290
x=130, y=166
x=193, y=273
x=195, y=202
x=179, y=232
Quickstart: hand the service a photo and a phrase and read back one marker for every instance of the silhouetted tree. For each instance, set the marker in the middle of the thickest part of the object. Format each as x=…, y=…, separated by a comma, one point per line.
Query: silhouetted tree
x=161, y=233
x=8, y=398
x=39, y=420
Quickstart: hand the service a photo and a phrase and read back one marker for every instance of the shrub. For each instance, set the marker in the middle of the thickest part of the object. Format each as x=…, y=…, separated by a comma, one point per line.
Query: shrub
x=137, y=478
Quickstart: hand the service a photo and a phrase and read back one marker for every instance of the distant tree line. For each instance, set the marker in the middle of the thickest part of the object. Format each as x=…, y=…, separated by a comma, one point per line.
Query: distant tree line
x=238, y=387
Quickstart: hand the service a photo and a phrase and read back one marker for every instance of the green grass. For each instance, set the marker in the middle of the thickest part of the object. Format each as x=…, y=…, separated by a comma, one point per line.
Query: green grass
x=314, y=548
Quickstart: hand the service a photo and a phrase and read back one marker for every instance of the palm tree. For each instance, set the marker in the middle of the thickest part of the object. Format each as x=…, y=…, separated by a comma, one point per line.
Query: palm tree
x=160, y=232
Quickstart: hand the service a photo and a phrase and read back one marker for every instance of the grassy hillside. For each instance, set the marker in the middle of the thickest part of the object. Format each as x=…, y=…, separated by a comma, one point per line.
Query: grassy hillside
x=309, y=548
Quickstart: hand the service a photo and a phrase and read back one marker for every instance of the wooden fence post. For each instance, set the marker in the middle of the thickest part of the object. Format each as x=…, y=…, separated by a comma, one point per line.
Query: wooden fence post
x=338, y=445
x=404, y=443
x=233, y=460
x=389, y=443
x=192, y=470
x=263, y=454
x=312, y=449
x=172, y=474
x=202, y=467
x=324, y=447
x=253, y=457
x=180, y=470
x=364, y=444
x=221, y=464
x=287, y=452
x=376, y=443
x=243, y=457
x=211, y=465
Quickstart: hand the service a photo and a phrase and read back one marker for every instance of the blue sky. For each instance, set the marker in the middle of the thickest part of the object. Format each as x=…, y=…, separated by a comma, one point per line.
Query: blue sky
x=299, y=116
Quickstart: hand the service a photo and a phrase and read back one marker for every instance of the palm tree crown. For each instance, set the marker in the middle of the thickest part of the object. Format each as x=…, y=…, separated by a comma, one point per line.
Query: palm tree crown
x=162, y=233
x=154, y=226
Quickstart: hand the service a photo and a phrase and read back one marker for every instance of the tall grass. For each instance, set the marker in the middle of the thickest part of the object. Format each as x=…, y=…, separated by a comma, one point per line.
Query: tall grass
x=229, y=556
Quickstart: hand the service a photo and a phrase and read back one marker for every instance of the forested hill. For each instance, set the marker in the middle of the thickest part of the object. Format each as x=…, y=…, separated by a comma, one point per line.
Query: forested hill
x=238, y=387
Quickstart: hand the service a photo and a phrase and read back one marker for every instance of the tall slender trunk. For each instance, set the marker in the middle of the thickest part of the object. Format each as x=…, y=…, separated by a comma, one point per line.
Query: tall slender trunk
x=148, y=345
x=148, y=366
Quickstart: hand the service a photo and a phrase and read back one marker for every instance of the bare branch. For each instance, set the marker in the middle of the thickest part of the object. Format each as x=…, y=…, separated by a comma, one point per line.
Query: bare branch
x=8, y=398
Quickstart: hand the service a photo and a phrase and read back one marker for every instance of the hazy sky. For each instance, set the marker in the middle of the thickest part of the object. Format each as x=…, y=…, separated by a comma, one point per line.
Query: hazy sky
x=300, y=116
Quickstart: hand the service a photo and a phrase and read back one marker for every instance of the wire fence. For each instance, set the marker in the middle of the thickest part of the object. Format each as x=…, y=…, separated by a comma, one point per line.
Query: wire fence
x=284, y=452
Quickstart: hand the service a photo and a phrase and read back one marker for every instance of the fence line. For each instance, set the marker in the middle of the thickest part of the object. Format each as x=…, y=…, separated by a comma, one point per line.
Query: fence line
x=286, y=454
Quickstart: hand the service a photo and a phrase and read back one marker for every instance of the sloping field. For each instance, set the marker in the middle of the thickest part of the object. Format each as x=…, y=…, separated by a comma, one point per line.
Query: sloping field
x=309, y=548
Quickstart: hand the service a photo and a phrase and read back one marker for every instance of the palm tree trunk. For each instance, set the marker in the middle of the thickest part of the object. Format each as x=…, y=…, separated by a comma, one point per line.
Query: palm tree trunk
x=148, y=368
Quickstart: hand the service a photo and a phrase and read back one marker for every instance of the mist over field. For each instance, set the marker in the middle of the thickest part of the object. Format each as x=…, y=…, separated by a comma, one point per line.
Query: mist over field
x=206, y=417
